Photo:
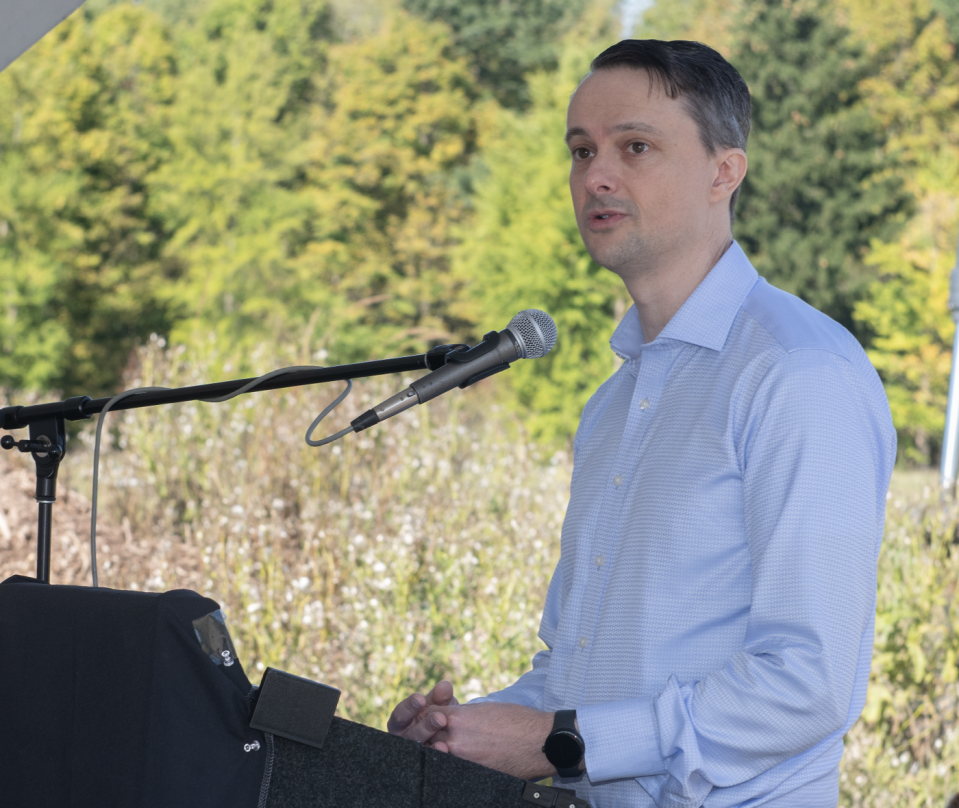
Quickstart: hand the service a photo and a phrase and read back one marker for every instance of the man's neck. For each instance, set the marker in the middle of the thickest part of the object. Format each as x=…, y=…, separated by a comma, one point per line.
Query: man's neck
x=659, y=290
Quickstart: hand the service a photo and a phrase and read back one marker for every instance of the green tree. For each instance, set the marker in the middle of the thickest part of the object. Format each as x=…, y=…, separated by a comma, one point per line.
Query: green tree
x=524, y=249
x=317, y=185
x=819, y=186
x=503, y=41
x=709, y=21
x=82, y=128
x=386, y=170
x=915, y=95
x=232, y=193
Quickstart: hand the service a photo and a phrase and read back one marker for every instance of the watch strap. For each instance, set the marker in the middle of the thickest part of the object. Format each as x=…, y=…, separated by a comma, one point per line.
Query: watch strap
x=565, y=719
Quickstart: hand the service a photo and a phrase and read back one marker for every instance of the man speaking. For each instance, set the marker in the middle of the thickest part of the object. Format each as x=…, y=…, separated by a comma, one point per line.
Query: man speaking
x=710, y=623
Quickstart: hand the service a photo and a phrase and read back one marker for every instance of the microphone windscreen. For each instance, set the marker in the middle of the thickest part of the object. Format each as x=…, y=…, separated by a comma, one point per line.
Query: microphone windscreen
x=535, y=331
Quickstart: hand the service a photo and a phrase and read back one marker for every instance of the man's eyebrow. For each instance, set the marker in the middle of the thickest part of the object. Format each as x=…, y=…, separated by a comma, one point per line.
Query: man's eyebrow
x=637, y=126
x=576, y=131
x=628, y=126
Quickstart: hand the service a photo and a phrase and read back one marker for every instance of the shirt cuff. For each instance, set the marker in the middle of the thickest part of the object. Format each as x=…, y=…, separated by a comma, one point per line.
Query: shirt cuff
x=622, y=739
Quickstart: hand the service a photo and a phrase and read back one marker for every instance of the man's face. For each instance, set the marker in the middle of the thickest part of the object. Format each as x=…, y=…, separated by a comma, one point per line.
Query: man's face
x=641, y=179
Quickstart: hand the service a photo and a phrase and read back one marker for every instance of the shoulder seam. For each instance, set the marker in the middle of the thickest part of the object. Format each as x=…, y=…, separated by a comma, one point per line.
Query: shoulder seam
x=787, y=351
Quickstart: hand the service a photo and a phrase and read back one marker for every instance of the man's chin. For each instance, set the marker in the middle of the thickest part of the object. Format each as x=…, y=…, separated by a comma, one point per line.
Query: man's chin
x=616, y=258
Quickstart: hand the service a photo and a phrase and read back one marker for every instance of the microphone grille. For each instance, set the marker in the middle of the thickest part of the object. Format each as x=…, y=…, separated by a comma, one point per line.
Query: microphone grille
x=535, y=331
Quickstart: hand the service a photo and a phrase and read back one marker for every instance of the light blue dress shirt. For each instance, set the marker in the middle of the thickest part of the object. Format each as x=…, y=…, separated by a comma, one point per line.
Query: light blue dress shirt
x=711, y=615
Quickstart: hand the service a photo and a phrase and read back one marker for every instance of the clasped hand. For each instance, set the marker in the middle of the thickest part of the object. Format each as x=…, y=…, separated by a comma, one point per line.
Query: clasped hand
x=506, y=737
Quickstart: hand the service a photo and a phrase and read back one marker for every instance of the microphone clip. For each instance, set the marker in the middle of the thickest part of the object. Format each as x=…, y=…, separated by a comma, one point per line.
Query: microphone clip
x=439, y=355
x=490, y=343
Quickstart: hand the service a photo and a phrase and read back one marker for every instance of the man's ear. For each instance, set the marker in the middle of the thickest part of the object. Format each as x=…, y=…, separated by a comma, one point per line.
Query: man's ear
x=731, y=168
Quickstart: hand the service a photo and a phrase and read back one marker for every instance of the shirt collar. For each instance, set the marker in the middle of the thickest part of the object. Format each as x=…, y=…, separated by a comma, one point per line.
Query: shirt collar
x=706, y=316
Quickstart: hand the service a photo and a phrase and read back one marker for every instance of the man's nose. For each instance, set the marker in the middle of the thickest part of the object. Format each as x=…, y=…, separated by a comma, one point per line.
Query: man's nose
x=601, y=175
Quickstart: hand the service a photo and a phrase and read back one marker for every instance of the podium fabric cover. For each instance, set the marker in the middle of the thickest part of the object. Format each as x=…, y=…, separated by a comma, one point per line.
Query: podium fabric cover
x=107, y=699
x=362, y=767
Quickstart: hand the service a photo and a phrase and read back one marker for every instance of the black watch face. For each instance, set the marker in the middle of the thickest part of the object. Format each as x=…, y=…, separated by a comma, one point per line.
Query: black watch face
x=563, y=749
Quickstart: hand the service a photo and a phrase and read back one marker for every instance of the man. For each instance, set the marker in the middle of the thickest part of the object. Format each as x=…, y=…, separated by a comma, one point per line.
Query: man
x=710, y=621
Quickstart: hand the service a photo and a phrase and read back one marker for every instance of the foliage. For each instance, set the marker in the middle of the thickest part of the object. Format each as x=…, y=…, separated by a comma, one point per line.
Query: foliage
x=385, y=169
x=818, y=189
x=174, y=12
x=231, y=193
x=242, y=177
x=708, y=21
x=906, y=309
x=80, y=249
x=504, y=42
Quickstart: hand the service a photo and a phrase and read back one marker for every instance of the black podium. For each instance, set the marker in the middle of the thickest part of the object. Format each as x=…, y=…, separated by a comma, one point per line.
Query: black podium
x=111, y=699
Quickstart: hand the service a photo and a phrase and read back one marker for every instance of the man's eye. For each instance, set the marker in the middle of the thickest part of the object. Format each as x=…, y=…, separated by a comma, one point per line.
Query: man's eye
x=637, y=148
x=581, y=153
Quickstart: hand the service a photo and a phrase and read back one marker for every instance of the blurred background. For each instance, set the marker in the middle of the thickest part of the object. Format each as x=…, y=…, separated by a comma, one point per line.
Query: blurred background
x=196, y=191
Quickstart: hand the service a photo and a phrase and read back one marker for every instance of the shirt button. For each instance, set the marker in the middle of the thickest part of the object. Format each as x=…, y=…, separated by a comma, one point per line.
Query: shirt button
x=644, y=404
x=618, y=480
x=599, y=561
x=583, y=642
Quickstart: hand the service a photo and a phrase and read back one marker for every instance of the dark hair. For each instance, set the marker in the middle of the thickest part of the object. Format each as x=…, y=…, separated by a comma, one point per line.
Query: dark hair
x=713, y=92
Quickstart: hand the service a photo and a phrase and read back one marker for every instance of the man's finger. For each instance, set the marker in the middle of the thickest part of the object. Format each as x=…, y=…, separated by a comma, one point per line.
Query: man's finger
x=424, y=730
x=442, y=694
x=405, y=713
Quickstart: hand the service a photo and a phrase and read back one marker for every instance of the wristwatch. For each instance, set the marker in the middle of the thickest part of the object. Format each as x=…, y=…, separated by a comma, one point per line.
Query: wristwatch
x=564, y=746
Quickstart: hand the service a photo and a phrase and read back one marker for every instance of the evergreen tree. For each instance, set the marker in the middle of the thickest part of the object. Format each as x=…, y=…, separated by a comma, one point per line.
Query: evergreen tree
x=386, y=163
x=315, y=185
x=82, y=128
x=948, y=10
x=232, y=193
x=709, y=21
x=504, y=41
x=819, y=186
x=915, y=95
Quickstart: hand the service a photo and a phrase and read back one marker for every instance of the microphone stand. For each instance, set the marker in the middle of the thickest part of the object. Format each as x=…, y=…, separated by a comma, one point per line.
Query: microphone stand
x=47, y=441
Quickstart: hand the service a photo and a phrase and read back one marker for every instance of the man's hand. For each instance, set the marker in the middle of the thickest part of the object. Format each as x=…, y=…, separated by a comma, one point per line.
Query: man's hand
x=506, y=737
x=411, y=719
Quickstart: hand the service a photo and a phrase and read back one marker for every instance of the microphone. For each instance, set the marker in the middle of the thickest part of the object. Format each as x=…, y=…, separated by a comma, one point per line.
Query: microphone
x=529, y=335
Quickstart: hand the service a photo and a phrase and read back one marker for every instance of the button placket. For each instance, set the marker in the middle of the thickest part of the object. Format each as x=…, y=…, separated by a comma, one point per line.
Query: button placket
x=634, y=434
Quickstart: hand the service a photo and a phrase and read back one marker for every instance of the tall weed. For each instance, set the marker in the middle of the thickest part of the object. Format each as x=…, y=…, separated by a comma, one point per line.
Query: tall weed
x=904, y=751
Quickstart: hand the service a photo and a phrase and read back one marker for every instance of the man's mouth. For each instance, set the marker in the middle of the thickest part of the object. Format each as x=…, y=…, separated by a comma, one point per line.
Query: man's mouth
x=605, y=218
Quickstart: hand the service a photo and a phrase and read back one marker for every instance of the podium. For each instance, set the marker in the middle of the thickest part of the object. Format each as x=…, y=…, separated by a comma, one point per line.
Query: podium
x=109, y=699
